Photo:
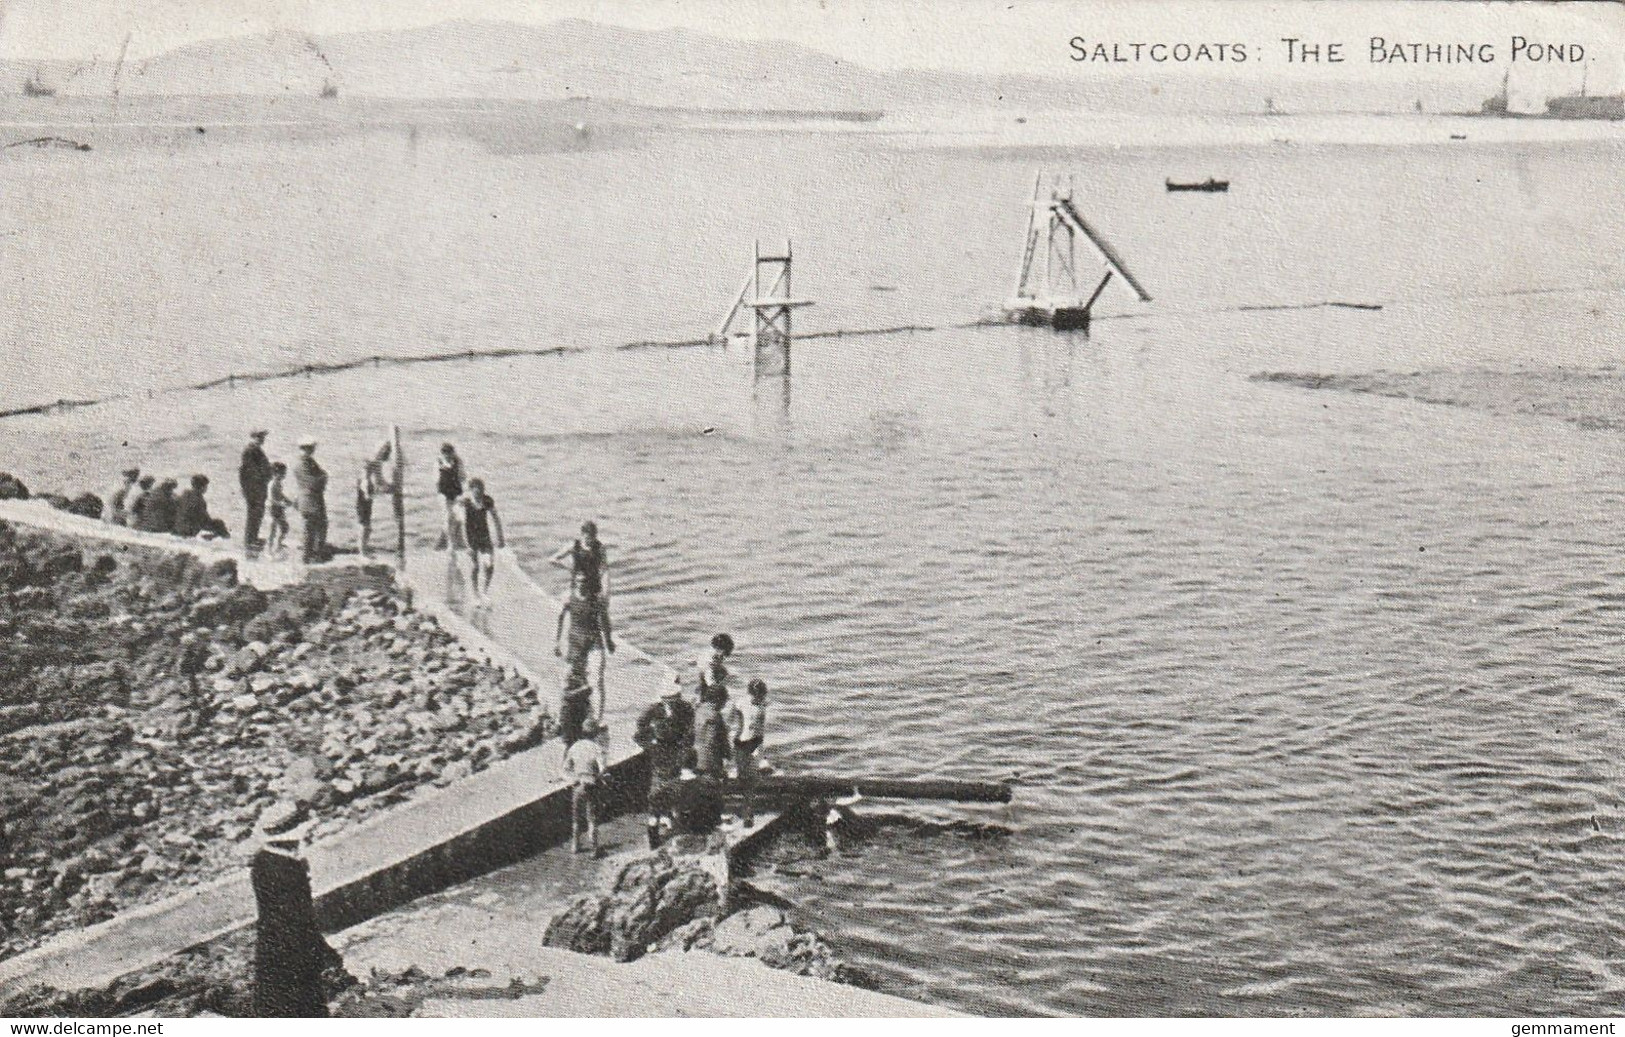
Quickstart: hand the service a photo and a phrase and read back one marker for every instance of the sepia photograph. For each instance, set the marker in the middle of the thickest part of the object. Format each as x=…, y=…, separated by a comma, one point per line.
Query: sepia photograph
x=812, y=508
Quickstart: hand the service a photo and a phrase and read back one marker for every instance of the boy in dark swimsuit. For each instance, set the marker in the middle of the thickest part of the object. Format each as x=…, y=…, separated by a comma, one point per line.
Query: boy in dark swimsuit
x=482, y=533
x=589, y=632
x=586, y=558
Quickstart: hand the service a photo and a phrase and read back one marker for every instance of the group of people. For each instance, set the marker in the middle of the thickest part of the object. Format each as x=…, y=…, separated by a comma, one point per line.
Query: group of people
x=472, y=522
x=690, y=747
x=694, y=752
x=694, y=748
x=263, y=483
x=151, y=505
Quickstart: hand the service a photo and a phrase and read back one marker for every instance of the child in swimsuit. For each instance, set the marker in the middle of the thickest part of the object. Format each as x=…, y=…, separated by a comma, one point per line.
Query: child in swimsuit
x=279, y=504
x=480, y=521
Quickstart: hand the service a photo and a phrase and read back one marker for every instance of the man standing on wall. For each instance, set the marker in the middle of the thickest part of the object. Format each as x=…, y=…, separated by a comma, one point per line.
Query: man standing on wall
x=310, y=481
x=254, y=476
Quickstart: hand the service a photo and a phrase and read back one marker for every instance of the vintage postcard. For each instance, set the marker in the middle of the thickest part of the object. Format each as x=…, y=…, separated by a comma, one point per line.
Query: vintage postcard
x=805, y=508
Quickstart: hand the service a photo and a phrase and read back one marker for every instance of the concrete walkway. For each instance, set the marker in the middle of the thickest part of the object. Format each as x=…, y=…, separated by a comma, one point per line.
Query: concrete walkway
x=264, y=573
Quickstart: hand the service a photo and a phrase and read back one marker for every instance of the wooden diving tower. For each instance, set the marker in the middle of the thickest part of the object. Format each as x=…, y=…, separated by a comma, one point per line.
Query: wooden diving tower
x=766, y=292
x=1051, y=289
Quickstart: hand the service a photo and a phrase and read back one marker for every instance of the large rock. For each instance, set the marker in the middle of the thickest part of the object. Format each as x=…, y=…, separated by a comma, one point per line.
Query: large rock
x=646, y=898
x=237, y=605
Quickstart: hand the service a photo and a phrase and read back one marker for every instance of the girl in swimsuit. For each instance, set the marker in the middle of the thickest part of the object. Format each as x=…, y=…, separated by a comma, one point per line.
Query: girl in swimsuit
x=449, y=484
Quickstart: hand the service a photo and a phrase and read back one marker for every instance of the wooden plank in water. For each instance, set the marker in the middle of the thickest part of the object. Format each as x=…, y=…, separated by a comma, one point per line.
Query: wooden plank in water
x=781, y=787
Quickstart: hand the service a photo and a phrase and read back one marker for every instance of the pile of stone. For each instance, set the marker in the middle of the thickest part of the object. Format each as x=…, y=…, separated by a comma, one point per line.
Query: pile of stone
x=644, y=898
x=87, y=505
x=151, y=707
x=671, y=903
x=768, y=934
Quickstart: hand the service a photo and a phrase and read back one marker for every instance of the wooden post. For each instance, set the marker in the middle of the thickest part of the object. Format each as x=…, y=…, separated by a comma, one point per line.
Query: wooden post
x=397, y=494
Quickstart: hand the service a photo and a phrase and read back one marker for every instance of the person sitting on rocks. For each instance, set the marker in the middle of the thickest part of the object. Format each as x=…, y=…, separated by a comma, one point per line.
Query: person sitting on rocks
x=192, y=512
x=136, y=504
x=159, y=511
x=666, y=733
x=290, y=953
x=584, y=769
x=118, y=503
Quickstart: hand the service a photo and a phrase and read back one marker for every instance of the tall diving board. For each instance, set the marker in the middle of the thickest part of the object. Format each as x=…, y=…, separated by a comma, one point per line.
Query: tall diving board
x=1051, y=286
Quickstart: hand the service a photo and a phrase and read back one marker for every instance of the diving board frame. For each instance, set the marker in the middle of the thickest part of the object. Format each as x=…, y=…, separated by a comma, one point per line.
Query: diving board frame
x=1048, y=289
x=766, y=293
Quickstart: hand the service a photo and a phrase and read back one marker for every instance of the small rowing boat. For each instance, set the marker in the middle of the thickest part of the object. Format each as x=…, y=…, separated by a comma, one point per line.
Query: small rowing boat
x=1209, y=185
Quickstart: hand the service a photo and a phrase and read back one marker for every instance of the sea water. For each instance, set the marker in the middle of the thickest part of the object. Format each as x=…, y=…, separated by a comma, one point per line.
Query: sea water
x=1313, y=699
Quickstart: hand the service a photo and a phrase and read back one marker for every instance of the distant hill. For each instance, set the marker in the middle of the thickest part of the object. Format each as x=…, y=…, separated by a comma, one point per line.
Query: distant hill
x=671, y=68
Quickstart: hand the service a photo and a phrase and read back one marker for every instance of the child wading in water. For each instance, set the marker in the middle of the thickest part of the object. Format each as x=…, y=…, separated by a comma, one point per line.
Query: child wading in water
x=279, y=503
x=583, y=768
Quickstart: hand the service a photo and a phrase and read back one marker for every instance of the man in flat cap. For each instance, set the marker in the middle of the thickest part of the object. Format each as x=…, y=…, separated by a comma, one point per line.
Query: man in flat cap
x=254, y=476
x=310, y=484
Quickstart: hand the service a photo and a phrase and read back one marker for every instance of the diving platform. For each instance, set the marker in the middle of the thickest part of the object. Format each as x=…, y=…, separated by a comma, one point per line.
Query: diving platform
x=1054, y=287
x=766, y=294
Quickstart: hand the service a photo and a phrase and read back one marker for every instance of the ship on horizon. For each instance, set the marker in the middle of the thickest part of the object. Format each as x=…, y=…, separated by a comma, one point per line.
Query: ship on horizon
x=1586, y=106
x=1583, y=105
x=33, y=86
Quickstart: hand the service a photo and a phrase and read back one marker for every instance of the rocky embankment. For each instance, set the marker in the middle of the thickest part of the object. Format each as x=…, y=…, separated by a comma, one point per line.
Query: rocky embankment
x=152, y=706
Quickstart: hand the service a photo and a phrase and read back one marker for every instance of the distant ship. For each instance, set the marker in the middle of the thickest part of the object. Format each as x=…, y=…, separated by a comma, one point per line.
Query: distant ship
x=1497, y=104
x=32, y=87
x=1269, y=107
x=1586, y=106
x=1582, y=105
x=329, y=90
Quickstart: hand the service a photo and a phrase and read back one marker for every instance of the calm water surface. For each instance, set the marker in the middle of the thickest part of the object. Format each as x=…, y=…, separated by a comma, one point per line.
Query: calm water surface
x=1314, y=699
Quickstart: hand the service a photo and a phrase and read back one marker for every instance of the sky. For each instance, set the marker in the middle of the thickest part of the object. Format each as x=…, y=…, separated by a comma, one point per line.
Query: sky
x=964, y=35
